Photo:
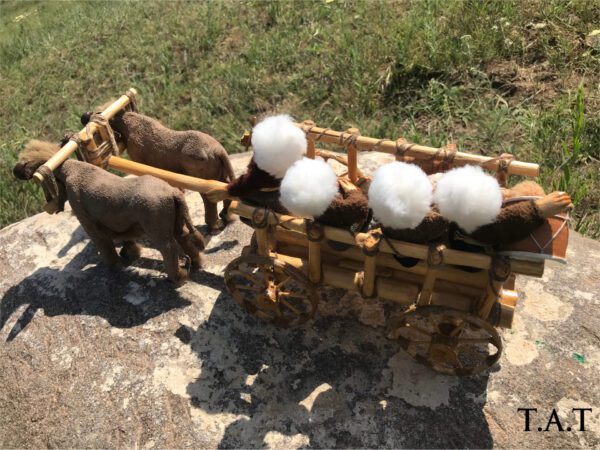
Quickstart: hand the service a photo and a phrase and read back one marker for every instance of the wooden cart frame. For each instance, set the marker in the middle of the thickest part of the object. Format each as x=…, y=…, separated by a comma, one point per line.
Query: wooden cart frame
x=448, y=303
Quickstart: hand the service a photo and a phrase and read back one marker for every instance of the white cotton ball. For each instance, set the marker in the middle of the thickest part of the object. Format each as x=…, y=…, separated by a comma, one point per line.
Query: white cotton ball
x=277, y=144
x=400, y=195
x=469, y=197
x=308, y=188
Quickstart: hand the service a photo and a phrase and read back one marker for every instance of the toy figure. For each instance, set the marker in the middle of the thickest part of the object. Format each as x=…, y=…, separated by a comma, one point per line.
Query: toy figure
x=400, y=195
x=277, y=144
x=187, y=152
x=311, y=189
x=114, y=209
x=488, y=214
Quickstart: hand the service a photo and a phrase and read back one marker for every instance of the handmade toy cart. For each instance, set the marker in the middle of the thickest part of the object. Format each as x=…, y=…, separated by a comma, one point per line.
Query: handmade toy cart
x=444, y=309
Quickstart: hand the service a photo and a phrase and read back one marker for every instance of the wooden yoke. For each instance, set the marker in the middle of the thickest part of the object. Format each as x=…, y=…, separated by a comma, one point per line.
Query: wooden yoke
x=85, y=135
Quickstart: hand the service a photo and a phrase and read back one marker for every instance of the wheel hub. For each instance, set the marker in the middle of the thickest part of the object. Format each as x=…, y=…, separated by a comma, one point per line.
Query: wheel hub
x=442, y=348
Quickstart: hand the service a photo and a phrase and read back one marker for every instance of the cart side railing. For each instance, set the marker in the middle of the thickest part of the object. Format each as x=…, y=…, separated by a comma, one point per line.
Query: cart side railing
x=354, y=143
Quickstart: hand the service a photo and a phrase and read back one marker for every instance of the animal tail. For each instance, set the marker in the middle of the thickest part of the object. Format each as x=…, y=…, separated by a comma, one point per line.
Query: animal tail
x=229, y=175
x=182, y=215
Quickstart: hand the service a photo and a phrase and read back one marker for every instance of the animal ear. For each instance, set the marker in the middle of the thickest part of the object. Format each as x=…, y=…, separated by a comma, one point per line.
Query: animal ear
x=85, y=118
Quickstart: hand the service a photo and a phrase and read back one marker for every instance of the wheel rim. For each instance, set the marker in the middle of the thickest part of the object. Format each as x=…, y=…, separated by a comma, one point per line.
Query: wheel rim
x=449, y=341
x=271, y=290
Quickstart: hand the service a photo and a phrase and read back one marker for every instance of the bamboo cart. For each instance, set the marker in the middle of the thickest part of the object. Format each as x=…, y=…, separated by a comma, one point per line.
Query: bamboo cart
x=447, y=306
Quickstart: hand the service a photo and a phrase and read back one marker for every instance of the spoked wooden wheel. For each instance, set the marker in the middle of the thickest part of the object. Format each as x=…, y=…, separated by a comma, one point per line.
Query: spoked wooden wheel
x=449, y=341
x=271, y=290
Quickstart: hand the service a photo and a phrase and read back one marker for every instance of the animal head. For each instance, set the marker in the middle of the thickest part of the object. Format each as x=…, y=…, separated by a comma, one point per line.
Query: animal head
x=34, y=154
x=87, y=116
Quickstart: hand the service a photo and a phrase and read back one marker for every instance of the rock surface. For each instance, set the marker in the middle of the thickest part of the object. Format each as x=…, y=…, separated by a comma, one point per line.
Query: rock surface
x=91, y=357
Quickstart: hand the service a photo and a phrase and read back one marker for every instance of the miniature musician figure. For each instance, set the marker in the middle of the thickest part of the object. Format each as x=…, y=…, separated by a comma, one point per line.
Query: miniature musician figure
x=277, y=144
x=400, y=195
x=311, y=189
x=464, y=199
x=492, y=216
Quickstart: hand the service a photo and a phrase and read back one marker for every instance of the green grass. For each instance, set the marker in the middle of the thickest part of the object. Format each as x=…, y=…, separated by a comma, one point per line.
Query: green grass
x=494, y=76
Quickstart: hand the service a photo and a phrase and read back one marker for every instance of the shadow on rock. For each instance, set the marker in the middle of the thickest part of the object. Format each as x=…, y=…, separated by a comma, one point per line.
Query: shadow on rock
x=333, y=383
x=86, y=286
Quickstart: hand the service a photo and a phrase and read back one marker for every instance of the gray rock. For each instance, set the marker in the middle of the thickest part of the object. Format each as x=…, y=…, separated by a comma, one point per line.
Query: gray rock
x=91, y=357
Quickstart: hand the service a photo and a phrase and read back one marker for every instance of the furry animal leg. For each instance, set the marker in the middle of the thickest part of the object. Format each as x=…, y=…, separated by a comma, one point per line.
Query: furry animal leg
x=170, y=252
x=189, y=244
x=103, y=242
x=211, y=216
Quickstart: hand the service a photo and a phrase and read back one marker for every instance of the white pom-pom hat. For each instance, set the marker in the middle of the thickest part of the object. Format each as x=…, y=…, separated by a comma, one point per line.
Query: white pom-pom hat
x=400, y=195
x=308, y=188
x=277, y=144
x=469, y=197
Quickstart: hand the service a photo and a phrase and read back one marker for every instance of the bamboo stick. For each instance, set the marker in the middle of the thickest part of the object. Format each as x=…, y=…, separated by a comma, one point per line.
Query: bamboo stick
x=67, y=150
x=451, y=300
x=458, y=286
x=314, y=261
x=452, y=295
x=369, y=276
x=352, y=156
x=489, y=299
x=364, y=143
x=310, y=148
x=262, y=239
x=174, y=179
x=477, y=279
x=427, y=287
x=402, y=293
x=339, y=157
x=509, y=297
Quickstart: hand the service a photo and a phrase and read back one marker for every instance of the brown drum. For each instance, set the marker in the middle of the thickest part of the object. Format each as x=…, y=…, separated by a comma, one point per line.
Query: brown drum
x=549, y=241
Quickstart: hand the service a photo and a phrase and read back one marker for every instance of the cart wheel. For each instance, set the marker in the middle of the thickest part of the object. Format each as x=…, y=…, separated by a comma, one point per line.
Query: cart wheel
x=271, y=290
x=449, y=341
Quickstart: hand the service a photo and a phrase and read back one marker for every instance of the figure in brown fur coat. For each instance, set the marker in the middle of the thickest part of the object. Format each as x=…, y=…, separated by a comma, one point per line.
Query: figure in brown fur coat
x=400, y=195
x=191, y=153
x=277, y=144
x=114, y=209
x=311, y=189
x=488, y=214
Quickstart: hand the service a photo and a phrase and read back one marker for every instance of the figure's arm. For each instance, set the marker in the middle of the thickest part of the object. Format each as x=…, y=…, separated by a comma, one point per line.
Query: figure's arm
x=516, y=221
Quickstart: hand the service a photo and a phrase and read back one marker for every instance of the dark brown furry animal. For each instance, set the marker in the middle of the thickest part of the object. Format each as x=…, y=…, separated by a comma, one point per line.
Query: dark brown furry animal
x=191, y=153
x=114, y=209
x=433, y=228
x=252, y=181
x=349, y=209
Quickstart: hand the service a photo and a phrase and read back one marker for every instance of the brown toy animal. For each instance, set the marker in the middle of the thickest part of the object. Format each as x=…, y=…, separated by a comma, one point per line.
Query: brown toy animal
x=190, y=153
x=114, y=209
